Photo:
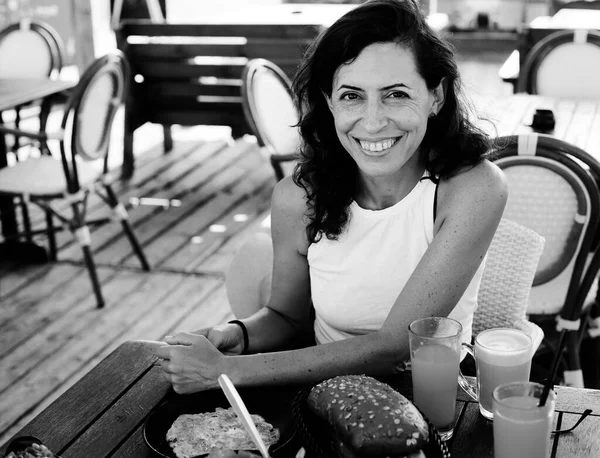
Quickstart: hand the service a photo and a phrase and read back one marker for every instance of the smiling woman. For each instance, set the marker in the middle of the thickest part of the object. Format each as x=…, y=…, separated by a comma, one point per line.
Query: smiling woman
x=387, y=217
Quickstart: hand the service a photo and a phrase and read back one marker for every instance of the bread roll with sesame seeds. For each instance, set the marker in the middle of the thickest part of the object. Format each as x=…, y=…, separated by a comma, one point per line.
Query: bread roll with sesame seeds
x=370, y=418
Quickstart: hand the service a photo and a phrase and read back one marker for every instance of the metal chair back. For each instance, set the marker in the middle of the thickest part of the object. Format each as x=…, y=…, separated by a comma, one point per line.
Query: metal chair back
x=563, y=64
x=270, y=112
x=39, y=42
x=553, y=191
x=90, y=111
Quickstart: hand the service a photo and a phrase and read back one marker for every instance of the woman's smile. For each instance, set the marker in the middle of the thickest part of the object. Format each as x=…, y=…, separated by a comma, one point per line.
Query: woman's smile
x=377, y=147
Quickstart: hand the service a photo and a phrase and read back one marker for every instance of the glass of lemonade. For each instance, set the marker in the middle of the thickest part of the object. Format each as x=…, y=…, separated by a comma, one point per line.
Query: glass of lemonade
x=521, y=428
x=501, y=355
x=435, y=355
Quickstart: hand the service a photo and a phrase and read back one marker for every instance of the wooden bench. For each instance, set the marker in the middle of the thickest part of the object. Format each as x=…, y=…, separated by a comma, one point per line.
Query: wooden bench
x=190, y=74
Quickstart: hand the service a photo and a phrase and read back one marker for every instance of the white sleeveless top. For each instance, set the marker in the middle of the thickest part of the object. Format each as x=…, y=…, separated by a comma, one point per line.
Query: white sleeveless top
x=356, y=279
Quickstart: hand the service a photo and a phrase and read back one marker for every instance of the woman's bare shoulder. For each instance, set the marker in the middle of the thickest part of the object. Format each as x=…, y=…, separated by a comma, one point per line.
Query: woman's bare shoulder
x=289, y=198
x=483, y=179
x=481, y=188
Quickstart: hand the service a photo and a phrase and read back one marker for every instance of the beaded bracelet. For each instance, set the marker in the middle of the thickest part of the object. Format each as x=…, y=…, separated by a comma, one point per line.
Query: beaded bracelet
x=244, y=333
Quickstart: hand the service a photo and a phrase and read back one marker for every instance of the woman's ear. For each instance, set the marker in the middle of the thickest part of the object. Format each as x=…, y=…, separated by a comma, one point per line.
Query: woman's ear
x=439, y=96
x=328, y=100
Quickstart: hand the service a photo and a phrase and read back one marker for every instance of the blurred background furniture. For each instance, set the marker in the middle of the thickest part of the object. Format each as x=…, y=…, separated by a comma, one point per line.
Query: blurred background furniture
x=553, y=190
x=270, y=112
x=190, y=74
x=80, y=169
x=576, y=20
x=556, y=5
x=44, y=51
x=510, y=267
x=13, y=93
x=565, y=63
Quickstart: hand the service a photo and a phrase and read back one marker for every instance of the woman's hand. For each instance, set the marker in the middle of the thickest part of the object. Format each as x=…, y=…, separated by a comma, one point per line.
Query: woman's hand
x=191, y=363
x=228, y=338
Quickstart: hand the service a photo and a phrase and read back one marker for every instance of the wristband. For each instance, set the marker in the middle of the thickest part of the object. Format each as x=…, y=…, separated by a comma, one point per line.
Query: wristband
x=244, y=333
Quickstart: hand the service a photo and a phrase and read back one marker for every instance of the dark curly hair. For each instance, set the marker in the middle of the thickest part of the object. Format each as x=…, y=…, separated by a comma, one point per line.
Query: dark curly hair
x=325, y=170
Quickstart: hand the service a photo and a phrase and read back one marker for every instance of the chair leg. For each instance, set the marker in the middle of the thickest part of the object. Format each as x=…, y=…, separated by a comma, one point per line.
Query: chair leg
x=17, y=142
x=51, y=235
x=168, y=136
x=573, y=374
x=123, y=217
x=128, y=157
x=82, y=234
x=26, y=220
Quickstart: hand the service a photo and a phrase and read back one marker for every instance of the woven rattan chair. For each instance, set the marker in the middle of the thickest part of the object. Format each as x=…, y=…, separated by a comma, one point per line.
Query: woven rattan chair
x=270, y=112
x=553, y=190
x=30, y=49
x=510, y=267
x=82, y=164
x=566, y=63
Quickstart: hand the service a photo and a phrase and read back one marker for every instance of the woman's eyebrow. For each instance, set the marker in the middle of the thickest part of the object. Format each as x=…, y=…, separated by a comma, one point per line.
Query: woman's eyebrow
x=386, y=88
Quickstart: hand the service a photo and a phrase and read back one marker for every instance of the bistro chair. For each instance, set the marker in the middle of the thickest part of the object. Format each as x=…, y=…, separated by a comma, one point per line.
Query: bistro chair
x=565, y=63
x=553, y=190
x=510, y=267
x=44, y=51
x=270, y=112
x=84, y=141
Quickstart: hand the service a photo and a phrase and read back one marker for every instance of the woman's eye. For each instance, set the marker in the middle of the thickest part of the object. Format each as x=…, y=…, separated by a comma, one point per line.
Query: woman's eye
x=349, y=96
x=398, y=95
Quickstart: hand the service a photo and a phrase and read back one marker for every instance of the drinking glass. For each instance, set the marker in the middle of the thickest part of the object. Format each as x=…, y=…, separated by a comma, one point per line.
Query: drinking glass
x=501, y=355
x=521, y=428
x=434, y=355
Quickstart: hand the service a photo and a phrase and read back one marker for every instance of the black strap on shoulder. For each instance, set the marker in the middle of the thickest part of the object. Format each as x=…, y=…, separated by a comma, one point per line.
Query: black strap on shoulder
x=435, y=194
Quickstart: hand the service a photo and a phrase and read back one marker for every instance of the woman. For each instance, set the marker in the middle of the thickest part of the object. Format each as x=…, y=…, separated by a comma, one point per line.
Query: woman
x=387, y=219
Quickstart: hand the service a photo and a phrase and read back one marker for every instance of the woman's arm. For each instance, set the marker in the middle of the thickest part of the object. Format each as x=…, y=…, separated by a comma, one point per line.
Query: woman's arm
x=470, y=206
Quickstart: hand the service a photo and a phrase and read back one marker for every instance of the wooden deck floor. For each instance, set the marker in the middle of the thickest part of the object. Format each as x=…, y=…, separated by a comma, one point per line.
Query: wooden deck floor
x=51, y=332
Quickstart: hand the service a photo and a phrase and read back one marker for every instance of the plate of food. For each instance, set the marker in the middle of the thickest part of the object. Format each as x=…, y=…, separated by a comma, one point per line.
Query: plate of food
x=360, y=416
x=196, y=425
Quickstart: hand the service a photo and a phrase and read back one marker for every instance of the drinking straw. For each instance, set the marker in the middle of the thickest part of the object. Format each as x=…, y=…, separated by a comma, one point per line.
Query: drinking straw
x=549, y=383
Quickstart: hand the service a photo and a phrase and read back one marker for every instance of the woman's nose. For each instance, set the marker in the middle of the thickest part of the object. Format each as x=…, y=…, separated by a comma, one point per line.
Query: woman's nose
x=374, y=118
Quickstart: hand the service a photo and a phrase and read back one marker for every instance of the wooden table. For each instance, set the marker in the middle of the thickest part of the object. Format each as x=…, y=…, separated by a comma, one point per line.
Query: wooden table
x=15, y=92
x=577, y=121
x=564, y=19
x=103, y=414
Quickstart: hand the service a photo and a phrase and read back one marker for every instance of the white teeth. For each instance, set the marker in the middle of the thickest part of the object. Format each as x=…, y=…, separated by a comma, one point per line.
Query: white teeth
x=377, y=146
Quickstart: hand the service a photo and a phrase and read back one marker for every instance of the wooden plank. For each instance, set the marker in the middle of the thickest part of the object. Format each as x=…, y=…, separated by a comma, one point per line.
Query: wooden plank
x=584, y=442
x=173, y=71
x=25, y=314
x=56, y=425
x=471, y=425
x=220, y=260
x=196, y=249
x=201, y=222
x=166, y=224
x=233, y=117
x=142, y=28
x=193, y=89
x=16, y=277
x=189, y=47
x=581, y=123
x=128, y=411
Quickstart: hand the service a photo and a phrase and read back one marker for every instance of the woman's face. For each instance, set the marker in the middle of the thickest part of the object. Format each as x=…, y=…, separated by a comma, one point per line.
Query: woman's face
x=380, y=105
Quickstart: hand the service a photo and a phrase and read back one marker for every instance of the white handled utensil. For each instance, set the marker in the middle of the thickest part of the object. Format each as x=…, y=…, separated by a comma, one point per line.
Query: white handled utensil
x=242, y=412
